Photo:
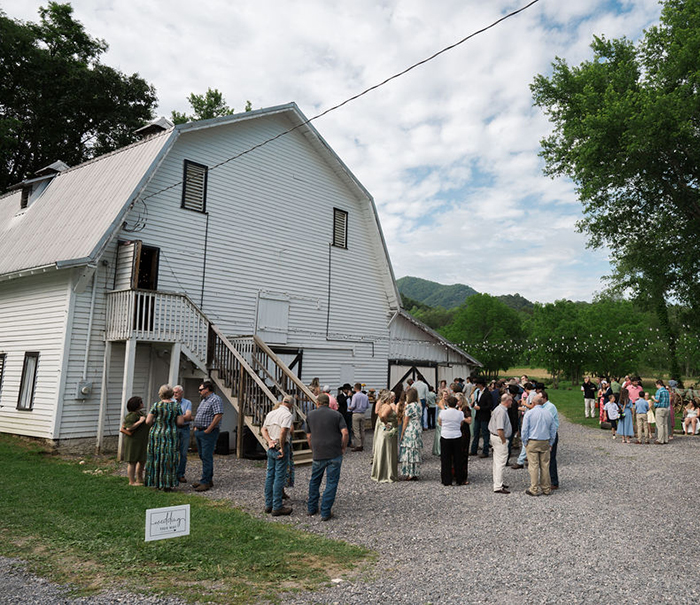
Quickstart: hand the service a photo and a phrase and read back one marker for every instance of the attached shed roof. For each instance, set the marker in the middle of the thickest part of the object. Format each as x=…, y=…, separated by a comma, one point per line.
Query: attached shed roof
x=69, y=222
x=408, y=317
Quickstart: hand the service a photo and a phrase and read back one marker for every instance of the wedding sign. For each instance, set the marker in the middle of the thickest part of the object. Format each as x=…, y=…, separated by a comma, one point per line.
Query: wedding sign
x=168, y=522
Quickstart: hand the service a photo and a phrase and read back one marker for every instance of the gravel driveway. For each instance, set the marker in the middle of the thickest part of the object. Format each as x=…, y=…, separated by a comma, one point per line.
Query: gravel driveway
x=616, y=530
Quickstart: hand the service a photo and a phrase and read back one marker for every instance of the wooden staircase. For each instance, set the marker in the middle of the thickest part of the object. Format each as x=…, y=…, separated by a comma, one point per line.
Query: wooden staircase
x=250, y=375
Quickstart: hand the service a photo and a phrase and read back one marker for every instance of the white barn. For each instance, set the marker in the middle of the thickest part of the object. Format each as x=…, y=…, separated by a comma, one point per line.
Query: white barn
x=202, y=250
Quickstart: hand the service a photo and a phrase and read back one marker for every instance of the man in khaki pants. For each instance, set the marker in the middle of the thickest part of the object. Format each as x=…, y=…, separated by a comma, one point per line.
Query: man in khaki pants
x=538, y=434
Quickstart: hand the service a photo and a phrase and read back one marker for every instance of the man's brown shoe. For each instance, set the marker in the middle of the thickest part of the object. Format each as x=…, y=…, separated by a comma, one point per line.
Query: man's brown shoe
x=285, y=510
x=517, y=466
x=202, y=487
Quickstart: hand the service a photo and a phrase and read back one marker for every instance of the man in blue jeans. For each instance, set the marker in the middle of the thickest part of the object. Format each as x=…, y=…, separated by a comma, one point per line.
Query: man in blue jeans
x=206, y=432
x=276, y=430
x=327, y=435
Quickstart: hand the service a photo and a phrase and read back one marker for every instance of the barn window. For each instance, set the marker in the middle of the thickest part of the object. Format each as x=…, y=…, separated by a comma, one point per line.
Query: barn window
x=194, y=187
x=28, y=383
x=340, y=228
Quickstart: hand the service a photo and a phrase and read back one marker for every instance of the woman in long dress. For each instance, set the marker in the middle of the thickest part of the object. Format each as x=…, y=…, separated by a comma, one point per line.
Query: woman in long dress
x=163, y=451
x=385, y=454
x=625, y=426
x=411, y=437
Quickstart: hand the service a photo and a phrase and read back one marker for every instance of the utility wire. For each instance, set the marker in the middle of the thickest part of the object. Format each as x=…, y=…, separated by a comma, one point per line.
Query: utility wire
x=357, y=96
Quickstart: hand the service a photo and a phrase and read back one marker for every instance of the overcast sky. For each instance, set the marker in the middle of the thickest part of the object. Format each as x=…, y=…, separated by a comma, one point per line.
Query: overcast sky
x=449, y=151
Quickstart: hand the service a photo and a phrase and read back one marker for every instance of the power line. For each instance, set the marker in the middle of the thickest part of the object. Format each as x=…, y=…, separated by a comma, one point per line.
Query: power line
x=357, y=96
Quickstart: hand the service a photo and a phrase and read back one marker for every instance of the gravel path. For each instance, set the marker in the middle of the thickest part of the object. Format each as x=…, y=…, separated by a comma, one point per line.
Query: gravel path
x=616, y=530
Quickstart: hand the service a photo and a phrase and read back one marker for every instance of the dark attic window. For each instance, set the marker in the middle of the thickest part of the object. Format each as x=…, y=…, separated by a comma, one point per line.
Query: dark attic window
x=194, y=187
x=340, y=228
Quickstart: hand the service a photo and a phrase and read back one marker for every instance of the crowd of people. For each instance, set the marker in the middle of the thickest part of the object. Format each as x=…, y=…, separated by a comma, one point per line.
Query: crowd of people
x=156, y=443
x=469, y=418
x=635, y=414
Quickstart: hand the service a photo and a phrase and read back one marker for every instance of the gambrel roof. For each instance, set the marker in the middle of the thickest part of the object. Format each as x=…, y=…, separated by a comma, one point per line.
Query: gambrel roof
x=83, y=208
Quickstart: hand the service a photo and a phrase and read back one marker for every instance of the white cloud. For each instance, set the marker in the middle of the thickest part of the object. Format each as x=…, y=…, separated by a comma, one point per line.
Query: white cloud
x=449, y=151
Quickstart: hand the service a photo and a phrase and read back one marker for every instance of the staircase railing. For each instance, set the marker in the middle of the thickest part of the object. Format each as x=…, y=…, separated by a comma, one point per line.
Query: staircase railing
x=254, y=397
x=275, y=372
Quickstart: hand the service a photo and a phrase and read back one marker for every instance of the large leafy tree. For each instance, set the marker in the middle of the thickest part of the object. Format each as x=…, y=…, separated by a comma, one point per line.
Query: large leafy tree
x=626, y=131
x=57, y=100
x=488, y=329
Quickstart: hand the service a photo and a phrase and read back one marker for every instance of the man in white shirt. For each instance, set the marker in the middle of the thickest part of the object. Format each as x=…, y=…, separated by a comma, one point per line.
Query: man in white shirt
x=501, y=430
x=276, y=430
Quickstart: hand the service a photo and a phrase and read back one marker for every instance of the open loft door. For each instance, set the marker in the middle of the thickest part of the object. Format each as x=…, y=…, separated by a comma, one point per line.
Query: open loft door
x=137, y=269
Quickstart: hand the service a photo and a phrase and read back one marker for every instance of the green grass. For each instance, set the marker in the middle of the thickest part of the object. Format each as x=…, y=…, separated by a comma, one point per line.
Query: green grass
x=80, y=524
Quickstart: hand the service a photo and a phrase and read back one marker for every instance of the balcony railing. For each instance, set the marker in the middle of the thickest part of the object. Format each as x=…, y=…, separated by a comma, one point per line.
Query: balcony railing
x=157, y=317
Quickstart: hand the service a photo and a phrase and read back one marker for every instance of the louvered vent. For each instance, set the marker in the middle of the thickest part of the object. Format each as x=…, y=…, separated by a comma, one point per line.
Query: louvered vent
x=340, y=228
x=194, y=187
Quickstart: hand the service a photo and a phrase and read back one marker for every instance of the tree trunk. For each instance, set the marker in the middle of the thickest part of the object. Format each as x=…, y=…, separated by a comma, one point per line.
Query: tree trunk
x=661, y=310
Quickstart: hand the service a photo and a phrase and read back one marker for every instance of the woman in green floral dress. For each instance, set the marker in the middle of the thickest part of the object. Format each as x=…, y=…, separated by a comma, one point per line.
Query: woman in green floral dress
x=163, y=451
x=411, y=437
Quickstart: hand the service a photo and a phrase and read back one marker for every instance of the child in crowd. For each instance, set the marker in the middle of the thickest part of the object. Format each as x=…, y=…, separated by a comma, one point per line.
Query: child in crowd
x=613, y=413
x=641, y=407
x=135, y=432
x=651, y=417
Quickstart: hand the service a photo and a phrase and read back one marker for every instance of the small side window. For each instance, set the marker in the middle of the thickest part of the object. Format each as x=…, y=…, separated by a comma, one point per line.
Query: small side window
x=340, y=228
x=28, y=383
x=194, y=187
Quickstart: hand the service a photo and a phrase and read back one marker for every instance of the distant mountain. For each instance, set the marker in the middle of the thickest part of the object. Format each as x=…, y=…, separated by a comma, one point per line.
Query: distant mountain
x=434, y=294
x=431, y=293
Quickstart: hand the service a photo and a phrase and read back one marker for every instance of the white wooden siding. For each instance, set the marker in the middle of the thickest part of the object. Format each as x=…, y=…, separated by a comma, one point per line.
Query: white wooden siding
x=32, y=318
x=270, y=226
x=79, y=416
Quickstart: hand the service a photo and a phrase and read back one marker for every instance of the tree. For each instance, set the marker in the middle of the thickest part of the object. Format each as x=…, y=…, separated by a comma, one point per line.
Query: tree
x=209, y=105
x=488, y=329
x=557, y=336
x=626, y=132
x=57, y=101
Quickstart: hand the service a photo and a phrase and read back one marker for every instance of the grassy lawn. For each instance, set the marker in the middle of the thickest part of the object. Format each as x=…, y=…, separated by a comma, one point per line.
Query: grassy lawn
x=82, y=525
x=570, y=404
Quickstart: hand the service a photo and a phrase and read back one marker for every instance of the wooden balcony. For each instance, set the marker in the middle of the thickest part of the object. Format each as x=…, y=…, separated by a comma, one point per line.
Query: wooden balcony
x=146, y=315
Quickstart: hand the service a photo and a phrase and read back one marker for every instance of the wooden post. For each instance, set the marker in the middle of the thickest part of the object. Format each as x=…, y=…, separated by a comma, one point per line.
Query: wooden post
x=241, y=423
x=174, y=364
x=103, y=397
x=127, y=385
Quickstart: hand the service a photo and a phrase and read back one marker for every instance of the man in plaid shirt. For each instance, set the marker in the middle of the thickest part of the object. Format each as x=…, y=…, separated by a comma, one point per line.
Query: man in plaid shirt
x=206, y=432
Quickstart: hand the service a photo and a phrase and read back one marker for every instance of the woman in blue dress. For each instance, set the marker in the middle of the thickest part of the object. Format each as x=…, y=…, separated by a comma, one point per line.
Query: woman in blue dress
x=625, y=426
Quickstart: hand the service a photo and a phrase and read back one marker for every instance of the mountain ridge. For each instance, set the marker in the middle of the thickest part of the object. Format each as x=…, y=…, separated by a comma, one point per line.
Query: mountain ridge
x=451, y=296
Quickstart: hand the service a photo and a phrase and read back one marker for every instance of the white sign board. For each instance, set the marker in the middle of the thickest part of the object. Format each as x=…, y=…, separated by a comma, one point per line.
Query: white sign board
x=168, y=522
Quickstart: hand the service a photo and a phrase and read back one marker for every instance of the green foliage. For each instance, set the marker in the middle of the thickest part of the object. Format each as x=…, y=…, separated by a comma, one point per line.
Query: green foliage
x=205, y=107
x=57, y=101
x=486, y=328
x=80, y=524
x=517, y=302
x=626, y=132
x=554, y=332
